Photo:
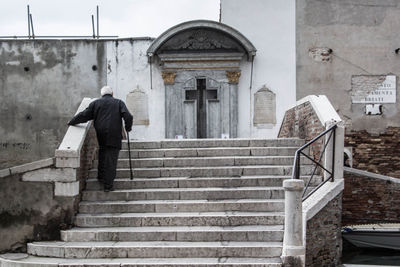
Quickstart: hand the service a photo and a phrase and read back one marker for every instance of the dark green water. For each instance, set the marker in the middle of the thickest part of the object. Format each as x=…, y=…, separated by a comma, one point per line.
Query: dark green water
x=381, y=257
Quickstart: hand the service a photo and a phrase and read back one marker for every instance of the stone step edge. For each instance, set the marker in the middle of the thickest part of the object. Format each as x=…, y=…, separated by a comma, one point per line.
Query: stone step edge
x=240, y=142
x=23, y=259
x=150, y=244
x=183, y=201
x=208, y=148
x=185, y=214
x=210, y=168
x=193, y=189
x=144, y=229
x=206, y=158
x=188, y=178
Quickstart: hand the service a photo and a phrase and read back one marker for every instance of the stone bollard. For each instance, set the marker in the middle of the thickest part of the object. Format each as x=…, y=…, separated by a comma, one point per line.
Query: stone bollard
x=293, y=251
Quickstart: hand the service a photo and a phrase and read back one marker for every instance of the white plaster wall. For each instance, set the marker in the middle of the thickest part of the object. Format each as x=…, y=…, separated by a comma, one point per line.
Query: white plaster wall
x=270, y=26
x=128, y=69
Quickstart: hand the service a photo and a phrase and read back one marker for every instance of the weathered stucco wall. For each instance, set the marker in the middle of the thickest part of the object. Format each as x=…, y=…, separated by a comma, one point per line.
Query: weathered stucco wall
x=339, y=40
x=31, y=206
x=270, y=26
x=128, y=69
x=29, y=211
x=42, y=83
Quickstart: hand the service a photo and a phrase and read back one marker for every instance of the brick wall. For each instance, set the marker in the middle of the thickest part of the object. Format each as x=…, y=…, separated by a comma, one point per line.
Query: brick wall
x=324, y=238
x=369, y=198
x=376, y=153
x=302, y=122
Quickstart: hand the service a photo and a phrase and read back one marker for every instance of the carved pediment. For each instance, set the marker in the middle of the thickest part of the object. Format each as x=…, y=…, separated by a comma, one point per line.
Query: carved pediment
x=201, y=40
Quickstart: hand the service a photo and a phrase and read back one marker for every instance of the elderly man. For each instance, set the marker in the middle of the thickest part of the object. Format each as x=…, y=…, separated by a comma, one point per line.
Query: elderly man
x=107, y=113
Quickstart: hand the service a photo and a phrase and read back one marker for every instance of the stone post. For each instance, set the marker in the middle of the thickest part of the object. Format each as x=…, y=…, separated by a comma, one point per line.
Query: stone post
x=293, y=251
x=339, y=150
x=339, y=145
x=328, y=151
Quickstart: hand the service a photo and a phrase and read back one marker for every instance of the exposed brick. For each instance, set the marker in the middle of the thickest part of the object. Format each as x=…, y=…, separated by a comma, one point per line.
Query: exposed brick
x=302, y=122
x=377, y=154
x=324, y=238
x=368, y=200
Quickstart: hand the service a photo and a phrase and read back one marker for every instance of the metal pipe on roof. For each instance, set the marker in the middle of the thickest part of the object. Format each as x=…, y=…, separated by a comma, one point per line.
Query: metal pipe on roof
x=97, y=7
x=33, y=32
x=94, y=33
x=29, y=24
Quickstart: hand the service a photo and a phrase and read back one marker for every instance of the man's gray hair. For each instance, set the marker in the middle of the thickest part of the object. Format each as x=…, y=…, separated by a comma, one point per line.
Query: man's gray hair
x=106, y=90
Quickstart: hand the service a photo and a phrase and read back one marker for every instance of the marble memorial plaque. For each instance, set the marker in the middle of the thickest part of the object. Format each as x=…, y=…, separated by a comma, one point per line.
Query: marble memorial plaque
x=264, y=107
x=137, y=104
x=373, y=89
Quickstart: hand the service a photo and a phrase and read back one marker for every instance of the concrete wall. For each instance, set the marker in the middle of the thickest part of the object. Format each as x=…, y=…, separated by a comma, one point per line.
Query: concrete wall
x=270, y=26
x=34, y=215
x=362, y=36
x=41, y=85
x=37, y=200
x=42, y=82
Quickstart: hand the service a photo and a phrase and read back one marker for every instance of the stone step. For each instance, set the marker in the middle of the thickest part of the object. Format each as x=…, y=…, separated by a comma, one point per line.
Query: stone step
x=181, y=205
x=228, y=218
x=197, y=143
x=210, y=193
x=207, y=161
x=272, y=233
x=208, y=152
x=230, y=171
x=25, y=260
x=184, y=182
x=151, y=249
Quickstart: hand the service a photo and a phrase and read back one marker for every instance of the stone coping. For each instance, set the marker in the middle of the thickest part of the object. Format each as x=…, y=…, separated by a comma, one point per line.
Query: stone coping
x=27, y=167
x=320, y=198
x=73, y=140
x=322, y=107
x=371, y=175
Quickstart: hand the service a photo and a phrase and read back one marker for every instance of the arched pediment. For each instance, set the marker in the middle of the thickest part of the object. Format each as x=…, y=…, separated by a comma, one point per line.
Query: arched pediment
x=201, y=36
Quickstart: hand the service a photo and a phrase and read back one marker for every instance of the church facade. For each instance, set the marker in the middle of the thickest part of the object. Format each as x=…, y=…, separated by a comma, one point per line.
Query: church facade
x=205, y=79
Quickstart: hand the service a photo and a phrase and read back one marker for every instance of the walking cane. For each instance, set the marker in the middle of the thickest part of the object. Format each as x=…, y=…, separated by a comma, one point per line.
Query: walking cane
x=129, y=153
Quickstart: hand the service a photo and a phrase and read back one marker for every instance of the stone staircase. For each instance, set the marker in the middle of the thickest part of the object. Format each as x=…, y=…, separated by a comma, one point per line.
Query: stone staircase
x=191, y=203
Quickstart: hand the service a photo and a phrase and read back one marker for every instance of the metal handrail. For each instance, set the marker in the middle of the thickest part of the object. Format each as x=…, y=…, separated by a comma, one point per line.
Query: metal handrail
x=299, y=152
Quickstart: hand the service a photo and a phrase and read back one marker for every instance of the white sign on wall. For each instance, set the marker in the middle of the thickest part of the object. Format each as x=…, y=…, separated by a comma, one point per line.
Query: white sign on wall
x=384, y=93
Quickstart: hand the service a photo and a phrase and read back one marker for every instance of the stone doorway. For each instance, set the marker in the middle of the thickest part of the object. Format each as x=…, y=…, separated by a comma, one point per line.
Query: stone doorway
x=200, y=65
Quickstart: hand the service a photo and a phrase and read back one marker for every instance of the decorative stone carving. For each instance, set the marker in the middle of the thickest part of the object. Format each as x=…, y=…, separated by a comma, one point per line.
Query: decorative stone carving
x=169, y=77
x=264, y=107
x=137, y=103
x=199, y=40
x=233, y=76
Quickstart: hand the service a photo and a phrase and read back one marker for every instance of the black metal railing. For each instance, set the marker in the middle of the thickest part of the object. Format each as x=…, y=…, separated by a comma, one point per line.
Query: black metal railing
x=296, y=165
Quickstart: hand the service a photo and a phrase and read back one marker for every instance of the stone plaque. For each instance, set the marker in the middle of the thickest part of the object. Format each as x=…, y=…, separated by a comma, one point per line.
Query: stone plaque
x=137, y=104
x=373, y=89
x=264, y=107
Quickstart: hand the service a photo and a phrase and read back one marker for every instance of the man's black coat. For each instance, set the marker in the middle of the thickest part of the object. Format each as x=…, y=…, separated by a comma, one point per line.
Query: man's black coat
x=107, y=113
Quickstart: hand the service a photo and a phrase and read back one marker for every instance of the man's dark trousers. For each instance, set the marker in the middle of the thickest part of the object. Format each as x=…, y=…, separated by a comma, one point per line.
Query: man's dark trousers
x=108, y=159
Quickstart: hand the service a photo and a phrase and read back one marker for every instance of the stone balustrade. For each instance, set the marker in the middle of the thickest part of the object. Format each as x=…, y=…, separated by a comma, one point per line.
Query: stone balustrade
x=311, y=116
